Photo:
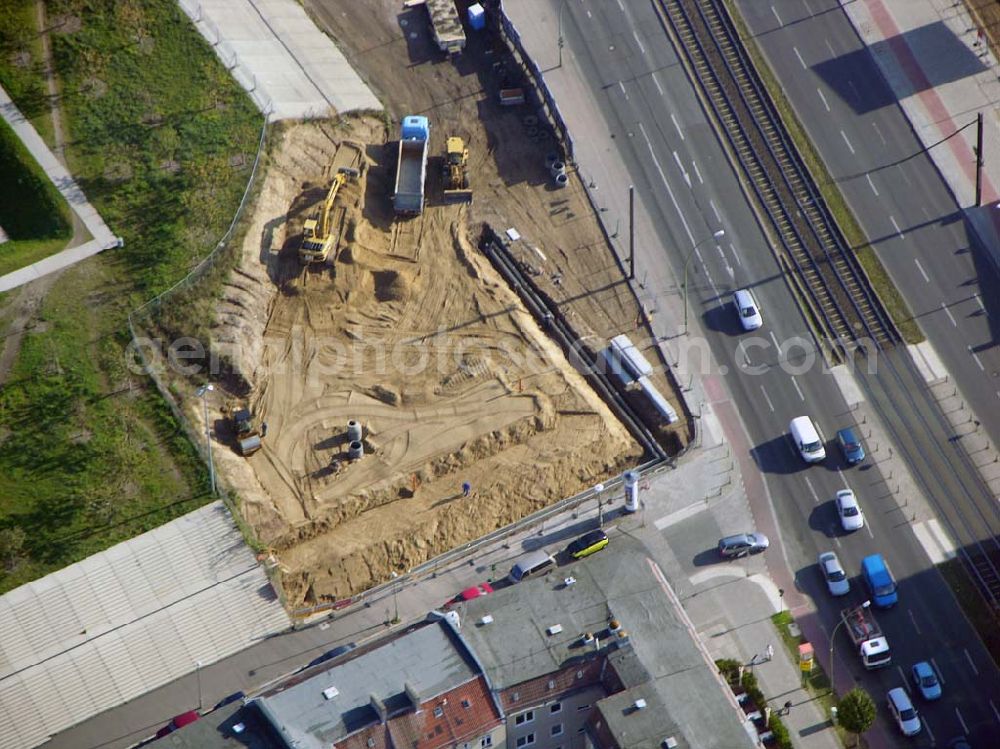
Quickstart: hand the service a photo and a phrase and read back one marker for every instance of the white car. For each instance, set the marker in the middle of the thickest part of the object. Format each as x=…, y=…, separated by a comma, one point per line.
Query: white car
x=851, y=516
x=747, y=309
x=903, y=711
x=836, y=579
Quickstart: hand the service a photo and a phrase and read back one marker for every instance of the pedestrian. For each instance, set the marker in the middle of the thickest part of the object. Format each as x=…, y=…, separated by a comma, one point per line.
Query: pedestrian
x=466, y=488
x=770, y=652
x=787, y=708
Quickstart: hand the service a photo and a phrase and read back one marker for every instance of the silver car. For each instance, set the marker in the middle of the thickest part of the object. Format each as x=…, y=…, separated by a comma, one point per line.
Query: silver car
x=833, y=572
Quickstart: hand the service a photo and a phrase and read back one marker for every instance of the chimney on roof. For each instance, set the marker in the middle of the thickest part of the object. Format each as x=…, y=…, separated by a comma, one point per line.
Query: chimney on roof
x=378, y=706
x=412, y=694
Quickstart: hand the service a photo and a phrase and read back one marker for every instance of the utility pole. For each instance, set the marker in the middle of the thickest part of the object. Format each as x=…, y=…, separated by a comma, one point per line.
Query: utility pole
x=979, y=160
x=631, y=232
x=202, y=393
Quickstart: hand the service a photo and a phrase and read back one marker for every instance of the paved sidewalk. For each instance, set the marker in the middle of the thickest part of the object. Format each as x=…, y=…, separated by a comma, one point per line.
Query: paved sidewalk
x=287, y=65
x=102, y=239
x=943, y=74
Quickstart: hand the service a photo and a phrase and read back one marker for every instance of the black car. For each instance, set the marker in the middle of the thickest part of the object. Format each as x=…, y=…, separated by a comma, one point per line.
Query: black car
x=329, y=655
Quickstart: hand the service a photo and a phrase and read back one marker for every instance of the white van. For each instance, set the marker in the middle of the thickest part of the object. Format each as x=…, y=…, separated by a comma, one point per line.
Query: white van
x=531, y=564
x=807, y=440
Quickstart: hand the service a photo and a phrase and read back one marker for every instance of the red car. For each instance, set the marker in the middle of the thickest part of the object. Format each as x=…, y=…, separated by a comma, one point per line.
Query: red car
x=483, y=589
x=179, y=721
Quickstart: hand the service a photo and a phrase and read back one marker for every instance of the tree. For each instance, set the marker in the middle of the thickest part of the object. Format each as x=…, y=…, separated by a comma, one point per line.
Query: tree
x=856, y=711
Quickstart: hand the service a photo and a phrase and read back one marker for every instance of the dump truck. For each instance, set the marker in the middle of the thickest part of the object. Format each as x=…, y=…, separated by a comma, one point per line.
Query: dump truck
x=317, y=235
x=446, y=26
x=247, y=431
x=866, y=634
x=411, y=166
x=456, y=171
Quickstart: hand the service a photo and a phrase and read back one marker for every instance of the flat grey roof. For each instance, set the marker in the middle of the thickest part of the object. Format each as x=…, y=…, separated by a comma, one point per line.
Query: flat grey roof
x=669, y=666
x=128, y=620
x=427, y=658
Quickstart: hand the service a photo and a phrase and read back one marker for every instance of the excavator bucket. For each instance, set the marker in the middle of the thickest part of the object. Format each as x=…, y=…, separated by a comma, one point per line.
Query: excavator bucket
x=456, y=172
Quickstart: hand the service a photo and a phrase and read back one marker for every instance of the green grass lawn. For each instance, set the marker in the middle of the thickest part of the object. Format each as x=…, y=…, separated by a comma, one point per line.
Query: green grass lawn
x=161, y=140
x=22, y=64
x=33, y=214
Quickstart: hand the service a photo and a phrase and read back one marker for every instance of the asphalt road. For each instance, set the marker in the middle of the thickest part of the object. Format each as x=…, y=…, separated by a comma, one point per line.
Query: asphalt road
x=688, y=191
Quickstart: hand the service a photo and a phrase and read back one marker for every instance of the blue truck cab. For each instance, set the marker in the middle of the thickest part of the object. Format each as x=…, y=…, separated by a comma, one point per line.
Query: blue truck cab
x=881, y=584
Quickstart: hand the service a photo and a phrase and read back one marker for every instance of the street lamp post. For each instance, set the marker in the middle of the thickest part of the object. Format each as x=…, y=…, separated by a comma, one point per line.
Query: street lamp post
x=562, y=6
x=197, y=670
x=833, y=641
x=202, y=393
x=395, y=598
x=687, y=262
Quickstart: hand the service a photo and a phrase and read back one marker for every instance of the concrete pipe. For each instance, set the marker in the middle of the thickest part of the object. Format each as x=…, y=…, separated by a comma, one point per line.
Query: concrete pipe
x=551, y=158
x=558, y=167
x=561, y=180
x=356, y=450
x=355, y=432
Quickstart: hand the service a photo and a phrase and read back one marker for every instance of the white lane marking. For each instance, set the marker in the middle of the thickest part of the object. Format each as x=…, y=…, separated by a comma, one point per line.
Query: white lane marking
x=922, y=271
x=899, y=231
x=871, y=184
x=948, y=312
x=915, y=625
x=774, y=340
x=875, y=125
x=697, y=171
x=736, y=255
x=718, y=216
x=624, y=92
x=905, y=176
x=798, y=389
x=769, y=404
x=673, y=119
x=923, y=719
x=937, y=670
x=995, y=711
x=965, y=728
x=680, y=165
x=722, y=255
x=807, y=7
x=829, y=46
x=902, y=677
x=774, y=10
x=982, y=306
x=801, y=61
x=711, y=282
x=857, y=96
x=972, y=664
x=638, y=41
x=868, y=528
x=683, y=514
x=811, y=489
x=621, y=6
x=589, y=14
x=670, y=192
x=825, y=104
x=656, y=82
x=976, y=357
x=844, y=136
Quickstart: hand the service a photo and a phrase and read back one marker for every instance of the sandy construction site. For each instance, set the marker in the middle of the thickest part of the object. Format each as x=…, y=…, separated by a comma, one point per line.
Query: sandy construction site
x=413, y=334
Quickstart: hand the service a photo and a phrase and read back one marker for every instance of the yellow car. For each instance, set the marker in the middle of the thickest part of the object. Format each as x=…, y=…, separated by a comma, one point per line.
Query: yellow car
x=587, y=544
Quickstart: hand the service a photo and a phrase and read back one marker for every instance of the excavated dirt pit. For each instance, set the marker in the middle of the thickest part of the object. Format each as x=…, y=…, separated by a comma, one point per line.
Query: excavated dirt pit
x=412, y=333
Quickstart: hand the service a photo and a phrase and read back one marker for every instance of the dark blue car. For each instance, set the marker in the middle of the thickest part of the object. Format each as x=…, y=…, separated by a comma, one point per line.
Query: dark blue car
x=329, y=655
x=850, y=446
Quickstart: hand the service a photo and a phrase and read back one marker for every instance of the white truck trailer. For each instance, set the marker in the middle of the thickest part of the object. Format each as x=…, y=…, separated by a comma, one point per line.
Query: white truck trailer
x=867, y=636
x=411, y=166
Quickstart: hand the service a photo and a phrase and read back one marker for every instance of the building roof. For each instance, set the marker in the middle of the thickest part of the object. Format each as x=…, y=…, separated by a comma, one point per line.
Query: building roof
x=128, y=620
x=327, y=704
x=662, y=661
x=516, y=647
x=460, y=715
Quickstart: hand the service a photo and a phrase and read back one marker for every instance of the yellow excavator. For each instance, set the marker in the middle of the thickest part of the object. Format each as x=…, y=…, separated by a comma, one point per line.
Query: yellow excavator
x=317, y=237
x=456, y=171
